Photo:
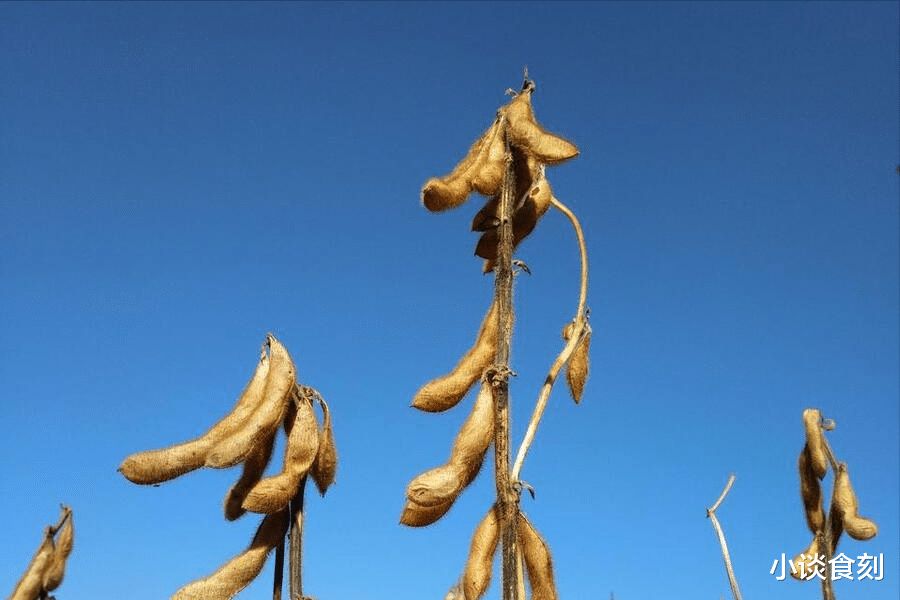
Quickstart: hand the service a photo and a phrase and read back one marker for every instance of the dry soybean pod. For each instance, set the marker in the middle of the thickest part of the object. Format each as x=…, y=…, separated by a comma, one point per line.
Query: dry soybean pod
x=436, y=487
x=415, y=515
x=537, y=560
x=445, y=392
x=254, y=467
x=324, y=467
x=29, y=586
x=805, y=560
x=815, y=440
x=527, y=172
x=857, y=527
x=443, y=193
x=445, y=483
x=274, y=493
x=477, y=575
x=535, y=206
x=56, y=568
x=475, y=435
x=268, y=415
x=579, y=364
x=811, y=493
x=156, y=466
x=526, y=133
x=237, y=573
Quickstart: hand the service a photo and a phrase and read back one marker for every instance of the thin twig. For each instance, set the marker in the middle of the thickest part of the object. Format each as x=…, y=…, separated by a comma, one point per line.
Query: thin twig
x=580, y=330
x=711, y=513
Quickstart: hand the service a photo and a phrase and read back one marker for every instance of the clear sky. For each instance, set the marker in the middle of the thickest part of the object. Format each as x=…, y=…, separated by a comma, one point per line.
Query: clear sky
x=178, y=179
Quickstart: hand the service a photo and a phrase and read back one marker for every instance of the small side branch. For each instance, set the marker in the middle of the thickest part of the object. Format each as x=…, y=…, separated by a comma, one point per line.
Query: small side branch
x=711, y=513
x=580, y=330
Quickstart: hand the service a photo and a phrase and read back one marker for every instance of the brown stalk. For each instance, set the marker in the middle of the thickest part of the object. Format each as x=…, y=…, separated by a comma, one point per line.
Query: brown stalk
x=507, y=498
x=711, y=513
x=296, y=548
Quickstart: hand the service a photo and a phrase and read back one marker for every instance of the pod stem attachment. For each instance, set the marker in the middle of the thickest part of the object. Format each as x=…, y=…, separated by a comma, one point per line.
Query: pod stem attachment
x=498, y=376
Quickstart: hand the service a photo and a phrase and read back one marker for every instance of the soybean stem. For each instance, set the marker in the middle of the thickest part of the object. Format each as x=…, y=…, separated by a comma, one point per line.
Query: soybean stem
x=503, y=293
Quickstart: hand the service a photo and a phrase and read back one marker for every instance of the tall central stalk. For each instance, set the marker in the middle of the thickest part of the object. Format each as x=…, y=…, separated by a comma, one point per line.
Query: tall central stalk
x=507, y=499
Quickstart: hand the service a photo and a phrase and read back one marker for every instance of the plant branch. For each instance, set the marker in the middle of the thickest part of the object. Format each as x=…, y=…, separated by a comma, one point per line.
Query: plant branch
x=581, y=329
x=582, y=248
x=711, y=513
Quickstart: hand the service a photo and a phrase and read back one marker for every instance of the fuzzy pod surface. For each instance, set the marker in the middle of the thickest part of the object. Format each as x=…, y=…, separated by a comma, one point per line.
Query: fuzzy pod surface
x=526, y=133
x=324, y=467
x=445, y=483
x=252, y=471
x=538, y=562
x=30, y=585
x=474, y=171
x=238, y=572
x=157, y=466
x=274, y=493
x=810, y=492
x=578, y=367
x=445, y=392
x=857, y=527
x=480, y=563
x=266, y=417
x=815, y=441
x=56, y=567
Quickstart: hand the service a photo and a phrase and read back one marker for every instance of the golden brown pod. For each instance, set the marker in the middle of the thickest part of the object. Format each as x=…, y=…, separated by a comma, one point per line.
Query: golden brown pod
x=237, y=573
x=273, y=493
x=30, y=585
x=527, y=173
x=536, y=553
x=525, y=132
x=445, y=392
x=415, y=515
x=579, y=365
x=477, y=575
x=56, y=567
x=263, y=422
x=815, y=441
x=443, y=484
x=156, y=466
x=535, y=206
x=857, y=527
x=437, y=486
x=810, y=492
x=481, y=169
x=324, y=467
x=252, y=472
x=803, y=562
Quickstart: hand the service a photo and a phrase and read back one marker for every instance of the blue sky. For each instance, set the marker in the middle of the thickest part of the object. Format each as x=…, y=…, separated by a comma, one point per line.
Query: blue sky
x=177, y=179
